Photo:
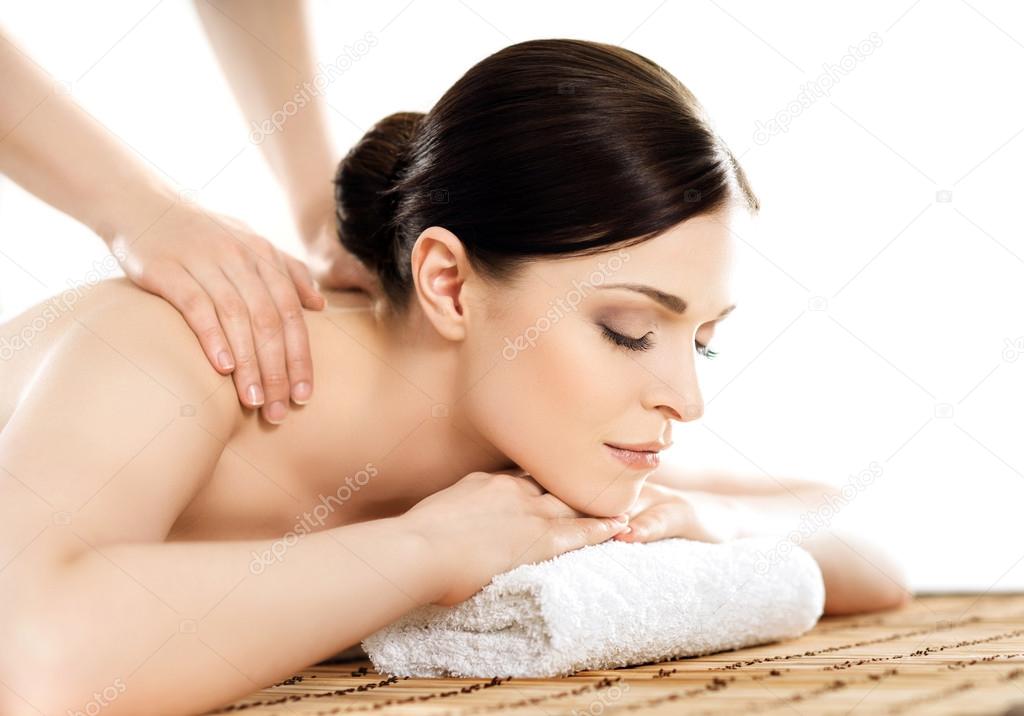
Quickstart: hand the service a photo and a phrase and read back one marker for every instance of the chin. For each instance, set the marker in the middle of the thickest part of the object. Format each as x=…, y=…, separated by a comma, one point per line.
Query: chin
x=619, y=496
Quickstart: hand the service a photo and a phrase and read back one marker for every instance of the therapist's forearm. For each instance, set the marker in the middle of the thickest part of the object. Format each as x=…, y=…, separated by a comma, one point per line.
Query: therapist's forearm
x=56, y=150
x=266, y=53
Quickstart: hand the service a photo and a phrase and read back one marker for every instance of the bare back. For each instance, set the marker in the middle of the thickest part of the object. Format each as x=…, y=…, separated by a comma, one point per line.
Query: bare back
x=110, y=412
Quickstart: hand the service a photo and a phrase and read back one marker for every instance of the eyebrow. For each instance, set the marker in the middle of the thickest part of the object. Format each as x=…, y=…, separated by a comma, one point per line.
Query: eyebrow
x=668, y=300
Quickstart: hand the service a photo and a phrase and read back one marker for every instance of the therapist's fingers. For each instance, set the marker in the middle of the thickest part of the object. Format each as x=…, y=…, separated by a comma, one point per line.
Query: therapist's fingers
x=241, y=296
x=303, y=282
x=298, y=362
x=234, y=321
x=268, y=337
x=174, y=284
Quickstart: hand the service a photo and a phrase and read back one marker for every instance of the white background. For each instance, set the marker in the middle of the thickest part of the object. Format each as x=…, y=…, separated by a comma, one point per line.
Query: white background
x=880, y=319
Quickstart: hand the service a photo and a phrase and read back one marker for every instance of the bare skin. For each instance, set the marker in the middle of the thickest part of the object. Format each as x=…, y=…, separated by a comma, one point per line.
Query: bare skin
x=150, y=512
x=262, y=477
x=239, y=293
x=136, y=524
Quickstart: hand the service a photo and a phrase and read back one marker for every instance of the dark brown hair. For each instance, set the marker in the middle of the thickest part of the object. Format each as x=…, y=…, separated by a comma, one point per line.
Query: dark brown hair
x=545, y=147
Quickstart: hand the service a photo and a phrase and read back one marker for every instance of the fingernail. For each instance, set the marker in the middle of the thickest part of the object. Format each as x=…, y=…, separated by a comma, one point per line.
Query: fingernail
x=255, y=394
x=224, y=358
x=276, y=412
x=626, y=531
x=301, y=392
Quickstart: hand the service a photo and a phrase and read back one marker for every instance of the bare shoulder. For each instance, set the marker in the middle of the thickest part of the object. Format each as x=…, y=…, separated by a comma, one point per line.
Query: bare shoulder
x=138, y=329
x=148, y=335
x=121, y=424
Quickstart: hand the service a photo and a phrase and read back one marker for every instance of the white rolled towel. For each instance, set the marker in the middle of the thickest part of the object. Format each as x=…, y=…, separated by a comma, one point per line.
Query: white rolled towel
x=610, y=605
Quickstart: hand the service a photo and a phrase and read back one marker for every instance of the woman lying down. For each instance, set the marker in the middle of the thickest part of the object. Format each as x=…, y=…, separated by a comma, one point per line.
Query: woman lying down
x=554, y=263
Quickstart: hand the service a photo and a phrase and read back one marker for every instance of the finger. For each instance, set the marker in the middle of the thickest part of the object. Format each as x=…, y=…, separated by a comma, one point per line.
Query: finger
x=298, y=358
x=178, y=287
x=583, y=531
x=649, y=526
x=348, y=272
x=303, y=281
x=267, y=337
x=234, y=319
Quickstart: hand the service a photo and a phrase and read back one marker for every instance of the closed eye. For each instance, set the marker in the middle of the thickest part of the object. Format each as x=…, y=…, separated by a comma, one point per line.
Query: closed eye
x=634, y=344
x=645, y=342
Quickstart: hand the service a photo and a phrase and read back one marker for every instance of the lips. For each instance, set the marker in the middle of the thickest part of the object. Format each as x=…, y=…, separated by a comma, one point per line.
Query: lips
x=641, y=447
x=645, y=459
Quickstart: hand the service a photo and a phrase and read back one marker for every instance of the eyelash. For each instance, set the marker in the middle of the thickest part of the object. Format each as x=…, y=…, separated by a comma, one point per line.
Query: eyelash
x=644, y=343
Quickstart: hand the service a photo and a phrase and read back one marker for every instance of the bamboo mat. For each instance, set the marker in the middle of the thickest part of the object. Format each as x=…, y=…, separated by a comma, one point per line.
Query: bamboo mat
x=941, y=654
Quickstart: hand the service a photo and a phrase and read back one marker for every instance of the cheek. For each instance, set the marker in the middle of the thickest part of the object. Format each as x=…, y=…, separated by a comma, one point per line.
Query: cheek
x=549, y=406
x=571, y=380
x=545, y=396
x=586, y=381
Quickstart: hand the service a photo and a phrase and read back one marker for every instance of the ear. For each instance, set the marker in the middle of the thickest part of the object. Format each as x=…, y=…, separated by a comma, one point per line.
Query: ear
x=440, y=271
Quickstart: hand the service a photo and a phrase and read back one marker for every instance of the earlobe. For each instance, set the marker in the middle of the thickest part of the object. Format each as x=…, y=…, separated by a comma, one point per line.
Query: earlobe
x=440, y=270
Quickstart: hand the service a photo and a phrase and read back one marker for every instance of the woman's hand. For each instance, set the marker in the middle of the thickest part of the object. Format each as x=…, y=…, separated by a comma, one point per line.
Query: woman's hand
x=661, y=512
x=488, y=523
x=241, y=296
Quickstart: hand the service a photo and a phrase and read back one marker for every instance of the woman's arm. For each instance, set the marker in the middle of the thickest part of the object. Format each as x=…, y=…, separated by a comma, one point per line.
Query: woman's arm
x=242, y=297
x=117, y=433
x=859, y=575
x=188, y=626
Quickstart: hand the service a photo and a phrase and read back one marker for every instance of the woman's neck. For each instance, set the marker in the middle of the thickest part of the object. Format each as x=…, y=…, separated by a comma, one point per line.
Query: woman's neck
x=385, y=410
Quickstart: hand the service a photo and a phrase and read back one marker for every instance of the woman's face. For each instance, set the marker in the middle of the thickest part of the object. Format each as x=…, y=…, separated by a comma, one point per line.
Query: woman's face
x=572, y=360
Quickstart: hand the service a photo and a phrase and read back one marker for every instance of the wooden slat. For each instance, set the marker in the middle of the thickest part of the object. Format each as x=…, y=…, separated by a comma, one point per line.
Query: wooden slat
x=942, y=654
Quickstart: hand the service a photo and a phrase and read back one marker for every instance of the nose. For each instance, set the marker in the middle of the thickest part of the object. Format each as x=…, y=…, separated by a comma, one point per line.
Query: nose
x=676, y=394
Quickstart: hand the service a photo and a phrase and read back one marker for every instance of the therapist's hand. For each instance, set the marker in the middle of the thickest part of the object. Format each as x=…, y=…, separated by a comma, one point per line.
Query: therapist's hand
x=241, y=296
x=334, y=267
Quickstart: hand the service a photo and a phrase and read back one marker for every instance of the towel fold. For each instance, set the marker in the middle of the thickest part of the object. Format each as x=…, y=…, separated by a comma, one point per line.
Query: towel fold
x=610, y=605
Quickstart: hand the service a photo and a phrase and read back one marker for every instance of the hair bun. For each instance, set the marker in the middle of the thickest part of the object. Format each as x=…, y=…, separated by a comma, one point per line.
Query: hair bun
x=364, y=190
